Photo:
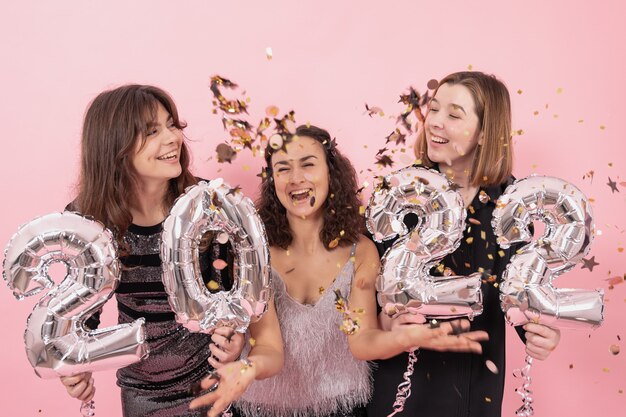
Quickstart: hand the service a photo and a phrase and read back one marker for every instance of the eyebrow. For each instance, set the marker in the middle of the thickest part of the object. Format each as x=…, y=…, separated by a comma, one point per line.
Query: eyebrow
x=303, y=159
x=454, y=106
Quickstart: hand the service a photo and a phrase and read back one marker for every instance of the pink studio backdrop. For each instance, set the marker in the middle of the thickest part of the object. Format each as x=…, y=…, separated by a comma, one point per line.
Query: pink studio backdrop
x=329, y=58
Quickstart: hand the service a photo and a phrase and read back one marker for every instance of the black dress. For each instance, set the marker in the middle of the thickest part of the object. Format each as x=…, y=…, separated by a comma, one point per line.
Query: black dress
x=447, y=384
x=159, y=385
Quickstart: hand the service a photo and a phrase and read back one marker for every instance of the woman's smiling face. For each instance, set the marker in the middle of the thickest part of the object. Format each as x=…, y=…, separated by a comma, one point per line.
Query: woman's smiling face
x=301, y=177
x=452, y=127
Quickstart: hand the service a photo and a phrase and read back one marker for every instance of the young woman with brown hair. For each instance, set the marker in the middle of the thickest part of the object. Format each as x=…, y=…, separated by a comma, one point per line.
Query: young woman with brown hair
x=467, y=136
x=134, y=164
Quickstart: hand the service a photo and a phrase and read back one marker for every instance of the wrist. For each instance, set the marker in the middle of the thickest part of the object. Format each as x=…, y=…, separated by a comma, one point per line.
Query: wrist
x=248, y=367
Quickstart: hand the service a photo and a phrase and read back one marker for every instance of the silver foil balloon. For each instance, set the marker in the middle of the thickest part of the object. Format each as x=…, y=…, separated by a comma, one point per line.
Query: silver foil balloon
x=216, y=207
x=405, y=283
x=527, y=293
x=57, y=344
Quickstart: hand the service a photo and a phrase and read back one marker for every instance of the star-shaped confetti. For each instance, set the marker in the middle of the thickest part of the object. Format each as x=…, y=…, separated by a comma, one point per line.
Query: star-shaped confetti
x=589, y=263
x=613, y=185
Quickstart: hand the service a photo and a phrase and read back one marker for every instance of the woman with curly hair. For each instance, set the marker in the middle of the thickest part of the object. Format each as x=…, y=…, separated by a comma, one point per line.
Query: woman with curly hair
x=324, y=274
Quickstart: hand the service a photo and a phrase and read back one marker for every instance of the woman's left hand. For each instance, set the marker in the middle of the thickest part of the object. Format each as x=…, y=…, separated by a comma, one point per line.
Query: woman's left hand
x=230, y=381
x=541, y=340
x=226, y=346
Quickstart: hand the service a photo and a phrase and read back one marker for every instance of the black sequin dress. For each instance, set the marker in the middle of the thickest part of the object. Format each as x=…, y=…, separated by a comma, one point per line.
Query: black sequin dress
x=159, y=386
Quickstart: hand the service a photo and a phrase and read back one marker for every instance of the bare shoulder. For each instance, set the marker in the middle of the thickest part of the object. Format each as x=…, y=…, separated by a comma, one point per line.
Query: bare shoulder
x=366, y=253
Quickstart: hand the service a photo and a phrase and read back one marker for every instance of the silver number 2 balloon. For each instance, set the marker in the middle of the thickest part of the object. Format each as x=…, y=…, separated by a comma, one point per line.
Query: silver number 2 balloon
x=405, y=283
x=57, y=344
x=526, y=292
x=214, y=206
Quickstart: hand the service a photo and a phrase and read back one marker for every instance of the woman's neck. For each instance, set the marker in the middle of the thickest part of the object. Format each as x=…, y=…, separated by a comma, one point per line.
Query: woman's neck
x=305, y=233
x=459, y=173
x=148, y=208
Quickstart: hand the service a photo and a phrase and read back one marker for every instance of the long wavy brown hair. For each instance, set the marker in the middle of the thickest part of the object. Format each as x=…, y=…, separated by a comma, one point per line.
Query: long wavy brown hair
x=493, y=163
x=114, y=122
x=342, y=221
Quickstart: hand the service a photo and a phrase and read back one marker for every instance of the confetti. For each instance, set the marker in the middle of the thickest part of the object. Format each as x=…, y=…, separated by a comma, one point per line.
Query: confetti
x=219, y=264
x=432, y=84
x=614, y=349
x=213, y=285
x=589, y=263
x=333, y=243
x=268, y=53
x=613, y=185
x=225, y=153
x=222, y=238
x=491, y=366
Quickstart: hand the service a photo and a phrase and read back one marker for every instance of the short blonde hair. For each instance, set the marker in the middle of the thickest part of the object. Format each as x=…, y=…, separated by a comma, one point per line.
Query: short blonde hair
x=493, y=163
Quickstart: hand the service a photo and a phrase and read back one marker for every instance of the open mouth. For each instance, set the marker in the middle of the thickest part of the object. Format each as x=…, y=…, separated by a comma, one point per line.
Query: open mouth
x=300, y=196
x=438, y=139
x=168, y=156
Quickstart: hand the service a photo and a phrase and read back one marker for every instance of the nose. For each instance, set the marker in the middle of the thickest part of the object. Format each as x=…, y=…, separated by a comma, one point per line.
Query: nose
x=296, y=175
x=172, y=136
x=433, y=119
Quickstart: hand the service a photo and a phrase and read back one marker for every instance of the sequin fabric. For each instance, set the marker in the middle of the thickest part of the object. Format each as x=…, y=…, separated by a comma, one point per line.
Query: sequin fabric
x=158, y=386
x=320, y=377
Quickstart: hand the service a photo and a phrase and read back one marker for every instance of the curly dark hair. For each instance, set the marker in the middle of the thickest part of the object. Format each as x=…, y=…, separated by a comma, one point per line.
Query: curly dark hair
x=342, y=221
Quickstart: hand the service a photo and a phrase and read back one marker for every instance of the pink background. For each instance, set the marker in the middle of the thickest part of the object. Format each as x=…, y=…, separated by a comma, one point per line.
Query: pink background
x=330, y=57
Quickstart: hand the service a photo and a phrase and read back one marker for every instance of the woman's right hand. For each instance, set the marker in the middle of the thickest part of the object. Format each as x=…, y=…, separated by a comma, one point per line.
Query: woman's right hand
x=451, y=336
x=80, y=386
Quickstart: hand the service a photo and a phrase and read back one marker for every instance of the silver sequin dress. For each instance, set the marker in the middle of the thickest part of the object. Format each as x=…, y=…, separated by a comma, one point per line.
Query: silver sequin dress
x=320, y=377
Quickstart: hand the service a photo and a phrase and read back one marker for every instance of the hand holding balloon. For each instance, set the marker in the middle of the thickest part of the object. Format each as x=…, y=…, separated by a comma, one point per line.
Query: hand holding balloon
x=541, y=340
x=226, y=346
x=80, y=386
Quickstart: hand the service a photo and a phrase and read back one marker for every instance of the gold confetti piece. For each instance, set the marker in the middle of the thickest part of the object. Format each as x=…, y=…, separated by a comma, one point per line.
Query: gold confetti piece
x=620, y=250
x=491, y=366
x=490, y=256
x=271, y=111
x=469, y=67
x=519, y=91
x=252, y=341
x=614, y=349
x=607, y=370
x=321, y=290
x=268, y=53
x=469, y=240
x=341, y=233
x=333, y=243
x=571, y=366
x=535, y=112
x=212, y=285
x=581, y=120
x=483, y=235
x=361, y=210
x=602, y=127
x=487, y=399
x=559, y=90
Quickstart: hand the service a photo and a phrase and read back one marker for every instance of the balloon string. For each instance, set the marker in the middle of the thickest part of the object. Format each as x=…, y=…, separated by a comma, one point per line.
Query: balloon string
x=526, y=410
x=404, y=388
x=88, y=409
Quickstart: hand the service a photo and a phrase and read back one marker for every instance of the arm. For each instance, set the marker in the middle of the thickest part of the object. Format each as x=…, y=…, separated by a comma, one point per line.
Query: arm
x=369, y=342
x=264, y=360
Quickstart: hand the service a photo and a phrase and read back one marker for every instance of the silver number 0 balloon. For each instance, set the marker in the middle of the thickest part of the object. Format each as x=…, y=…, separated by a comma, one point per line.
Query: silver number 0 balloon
x=57, y=344
x=405, y=283
x=214, y=206
x=526, y=292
